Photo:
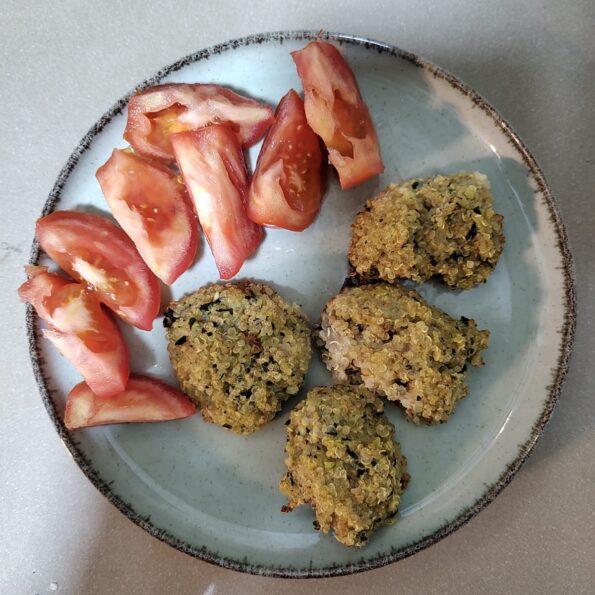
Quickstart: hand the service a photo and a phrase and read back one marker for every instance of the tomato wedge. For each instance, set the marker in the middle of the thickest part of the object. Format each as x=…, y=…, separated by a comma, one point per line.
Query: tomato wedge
x=38, y=289
x=158, y=112
x=143, y=399
x=286, y=189
x=213, y=167
x=154, y=209
x=92, y=249
x=81, y=329
x=337, y=113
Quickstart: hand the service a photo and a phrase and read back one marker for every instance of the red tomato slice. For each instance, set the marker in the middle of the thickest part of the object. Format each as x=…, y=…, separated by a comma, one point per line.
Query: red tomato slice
x=213, y=167
x=154, y=209
x=143, y=399
x=158, y=112
x=39, y=289
x=336, y=112
x=81, y=329
x=92, y=249
x=286, y=189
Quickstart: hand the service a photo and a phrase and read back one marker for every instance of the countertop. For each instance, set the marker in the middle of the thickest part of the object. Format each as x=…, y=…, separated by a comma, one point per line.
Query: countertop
x=65, y=63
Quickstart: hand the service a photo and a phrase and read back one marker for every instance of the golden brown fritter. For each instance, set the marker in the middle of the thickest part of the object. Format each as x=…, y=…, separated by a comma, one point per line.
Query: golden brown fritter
x=239, y=351
x=441, y=225
x=393, y=342
x=343, y=460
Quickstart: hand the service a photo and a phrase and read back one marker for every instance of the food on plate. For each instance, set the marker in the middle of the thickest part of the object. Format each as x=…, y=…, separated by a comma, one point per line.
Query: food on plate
x=342, y=459
x=440, y=225
x=337, y=113
x=287, y=186
x=393, y=342
x=239, y=351
x=94, y=251
x=154, y=209
x=143, y=399
x=80, y=328
x=213, y=167
x=156, y=113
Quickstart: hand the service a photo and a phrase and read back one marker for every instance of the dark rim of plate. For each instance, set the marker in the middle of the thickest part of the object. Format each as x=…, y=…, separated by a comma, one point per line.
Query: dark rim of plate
x=558, y=375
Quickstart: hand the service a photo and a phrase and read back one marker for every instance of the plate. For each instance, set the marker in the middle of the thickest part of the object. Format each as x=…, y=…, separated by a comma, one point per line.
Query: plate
x=214, y=495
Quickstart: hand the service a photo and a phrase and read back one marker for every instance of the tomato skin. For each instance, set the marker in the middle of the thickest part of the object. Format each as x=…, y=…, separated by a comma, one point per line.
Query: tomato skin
x=337, y=113
x=81, y=330
x=189, y=107
x=213, y=167
x=93, y=250
x=96, y=368
x=287, y=186
x=154, y=209
x=142, y=400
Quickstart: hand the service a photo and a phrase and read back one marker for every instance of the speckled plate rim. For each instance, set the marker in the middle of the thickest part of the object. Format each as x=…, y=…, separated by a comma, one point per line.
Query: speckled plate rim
x=558, y=375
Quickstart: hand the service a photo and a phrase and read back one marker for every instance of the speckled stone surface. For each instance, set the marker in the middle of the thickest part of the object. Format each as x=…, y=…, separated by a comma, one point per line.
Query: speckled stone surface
x=63, y=67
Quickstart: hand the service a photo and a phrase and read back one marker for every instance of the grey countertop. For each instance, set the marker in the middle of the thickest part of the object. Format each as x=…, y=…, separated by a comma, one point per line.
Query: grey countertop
x=64, y=64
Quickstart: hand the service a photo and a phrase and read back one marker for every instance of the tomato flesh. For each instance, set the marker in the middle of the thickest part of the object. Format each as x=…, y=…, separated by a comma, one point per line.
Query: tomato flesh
x=337, y=113
x=81, y=330
x=38, y=289
x=213, y=167
x=287, y=186
x=158, y=112
x=93, y=250
x=154, y=209
x=142, y=400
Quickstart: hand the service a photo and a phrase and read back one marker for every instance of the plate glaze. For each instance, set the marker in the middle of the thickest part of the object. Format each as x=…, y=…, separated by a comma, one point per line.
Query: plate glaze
x=214, y=495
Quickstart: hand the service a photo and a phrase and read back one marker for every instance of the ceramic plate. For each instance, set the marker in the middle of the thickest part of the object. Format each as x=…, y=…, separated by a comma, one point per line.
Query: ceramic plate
x=214, y=495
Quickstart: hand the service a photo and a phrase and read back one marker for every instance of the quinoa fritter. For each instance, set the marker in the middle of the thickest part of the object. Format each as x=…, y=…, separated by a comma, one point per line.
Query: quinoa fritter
x=441, y=225
x=390, y=340
x=239, y=351
x=343, y=460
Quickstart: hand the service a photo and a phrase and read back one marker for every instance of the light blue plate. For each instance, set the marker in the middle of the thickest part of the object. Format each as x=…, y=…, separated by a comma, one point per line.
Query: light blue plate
x=214, y=495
